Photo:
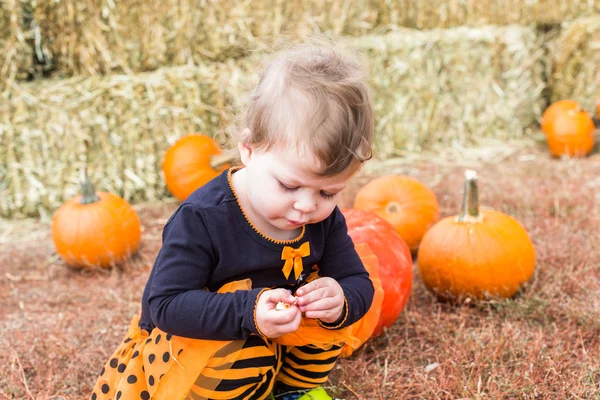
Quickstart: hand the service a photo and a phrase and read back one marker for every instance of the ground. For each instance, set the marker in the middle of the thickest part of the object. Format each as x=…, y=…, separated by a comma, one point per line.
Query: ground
x=58, y=325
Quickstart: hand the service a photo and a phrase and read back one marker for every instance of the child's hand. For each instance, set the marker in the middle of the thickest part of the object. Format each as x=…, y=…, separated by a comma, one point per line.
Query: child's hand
x=322, y=298
x=275, y=321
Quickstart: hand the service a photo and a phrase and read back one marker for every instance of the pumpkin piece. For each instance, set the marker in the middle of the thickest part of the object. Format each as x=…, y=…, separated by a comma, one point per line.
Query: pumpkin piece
x=409, y=205
x=394, y=266
x=555, y=109
x=95, y=229
x=477, y=254
x=571, y=134
x=191, y=162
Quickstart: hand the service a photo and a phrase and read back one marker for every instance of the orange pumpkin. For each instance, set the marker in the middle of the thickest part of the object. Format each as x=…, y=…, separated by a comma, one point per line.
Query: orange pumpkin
x=477, y=254
x=364, y=328
x=95, y=229
x=572, y=134
x=190, y=163
x=409, y=205
x=395, y=262
x=555, y=109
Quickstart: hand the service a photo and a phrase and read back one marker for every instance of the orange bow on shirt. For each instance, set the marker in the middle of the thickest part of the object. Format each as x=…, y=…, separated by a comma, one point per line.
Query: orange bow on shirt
x=293, y=259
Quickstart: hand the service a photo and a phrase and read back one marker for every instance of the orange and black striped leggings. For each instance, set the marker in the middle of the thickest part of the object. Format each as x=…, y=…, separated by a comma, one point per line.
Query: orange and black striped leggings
x=261, y=364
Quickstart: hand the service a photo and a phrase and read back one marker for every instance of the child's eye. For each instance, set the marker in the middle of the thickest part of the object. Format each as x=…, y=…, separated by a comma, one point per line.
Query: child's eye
x=286, y=188
x=327, y=196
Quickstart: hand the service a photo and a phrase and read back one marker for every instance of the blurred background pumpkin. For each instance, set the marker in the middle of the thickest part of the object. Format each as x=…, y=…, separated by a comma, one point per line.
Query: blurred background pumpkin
x=569, y=129
x=409, y=205
x=191, y=162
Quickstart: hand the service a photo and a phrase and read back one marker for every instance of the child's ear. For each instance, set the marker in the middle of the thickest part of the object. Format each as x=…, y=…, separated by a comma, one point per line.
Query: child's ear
x=244, y=147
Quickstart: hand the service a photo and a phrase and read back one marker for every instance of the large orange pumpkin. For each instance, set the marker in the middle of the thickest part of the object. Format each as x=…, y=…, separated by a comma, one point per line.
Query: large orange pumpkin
x=95, y=229
x=189, y=163
x=555, y=109
x=409, y=205
x=395, y=261
x=478, y=254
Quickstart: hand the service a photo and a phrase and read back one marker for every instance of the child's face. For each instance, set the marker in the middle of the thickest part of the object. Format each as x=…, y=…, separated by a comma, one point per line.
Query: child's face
x=283, y=192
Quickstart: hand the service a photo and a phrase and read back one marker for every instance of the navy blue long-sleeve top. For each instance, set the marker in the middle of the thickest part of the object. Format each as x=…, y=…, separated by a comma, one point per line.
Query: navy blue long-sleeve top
x=209, y=242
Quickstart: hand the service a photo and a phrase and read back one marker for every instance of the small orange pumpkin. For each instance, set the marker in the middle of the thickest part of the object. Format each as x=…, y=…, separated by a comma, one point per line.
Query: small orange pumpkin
x=395, y=262
x=557, y=108
x=190, y=163
x=477, y=254
x=409, y=205
x=572, y=134
x=95, y=229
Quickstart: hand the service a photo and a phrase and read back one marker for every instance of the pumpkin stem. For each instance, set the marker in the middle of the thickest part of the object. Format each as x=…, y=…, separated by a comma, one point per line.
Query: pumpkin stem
x=88, y=193
x=470, y=204
x=224, y=157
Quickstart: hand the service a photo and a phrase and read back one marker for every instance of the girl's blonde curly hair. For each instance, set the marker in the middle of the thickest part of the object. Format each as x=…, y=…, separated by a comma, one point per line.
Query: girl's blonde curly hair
x=313, y=96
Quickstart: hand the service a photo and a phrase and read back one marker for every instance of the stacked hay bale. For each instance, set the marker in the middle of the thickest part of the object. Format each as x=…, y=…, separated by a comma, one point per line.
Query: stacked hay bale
x=102, y=108
x=429, y=88
x=452, y=13
x=16, y=54
x=119, y=126
x=445, y=85
x=89, y=37
x=575, y=57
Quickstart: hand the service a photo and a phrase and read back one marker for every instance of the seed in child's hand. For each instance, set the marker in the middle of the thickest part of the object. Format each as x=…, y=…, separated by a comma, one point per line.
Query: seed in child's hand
x=282, y=306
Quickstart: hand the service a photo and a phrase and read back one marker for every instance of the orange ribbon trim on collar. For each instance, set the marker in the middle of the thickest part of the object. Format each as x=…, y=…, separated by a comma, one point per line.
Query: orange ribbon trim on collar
x=293, y=259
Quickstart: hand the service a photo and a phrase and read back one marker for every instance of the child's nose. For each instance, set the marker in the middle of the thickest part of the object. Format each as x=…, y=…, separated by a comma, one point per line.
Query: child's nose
x=305, y=205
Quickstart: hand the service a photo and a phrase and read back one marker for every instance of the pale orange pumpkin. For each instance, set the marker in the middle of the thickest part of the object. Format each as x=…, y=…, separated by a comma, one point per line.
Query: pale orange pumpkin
x=394, y=266
x=555, y=109
x=95, y=229
x=191, y=162
x=572, y=134
x=409, y=205
x=478, y=254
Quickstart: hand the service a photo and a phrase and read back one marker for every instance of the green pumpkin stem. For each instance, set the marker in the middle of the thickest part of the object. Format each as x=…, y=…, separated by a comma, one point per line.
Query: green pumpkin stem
x=88, y=193
x=470, y=204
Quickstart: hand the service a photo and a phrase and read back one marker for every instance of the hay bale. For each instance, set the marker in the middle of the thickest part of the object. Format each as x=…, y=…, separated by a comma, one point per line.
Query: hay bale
x=120, y=126
x=435, y=87
x=430, y=89
x=575, y=57
x=15, y=53
x=454, y=13
x=90, y=37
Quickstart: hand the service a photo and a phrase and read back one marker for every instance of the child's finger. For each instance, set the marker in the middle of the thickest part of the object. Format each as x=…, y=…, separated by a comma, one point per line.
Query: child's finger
x=324, y=315
x=275, y=296
x=313, y=296
x=319, y=305
x=310, y=287
x=285, y=316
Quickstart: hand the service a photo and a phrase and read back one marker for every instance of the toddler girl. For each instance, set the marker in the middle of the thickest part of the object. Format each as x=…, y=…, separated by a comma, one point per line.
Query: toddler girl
x=257, y=281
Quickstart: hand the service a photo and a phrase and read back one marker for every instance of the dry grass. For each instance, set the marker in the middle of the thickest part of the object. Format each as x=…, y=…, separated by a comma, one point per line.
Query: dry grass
x=59, y=325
